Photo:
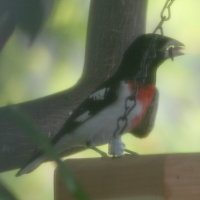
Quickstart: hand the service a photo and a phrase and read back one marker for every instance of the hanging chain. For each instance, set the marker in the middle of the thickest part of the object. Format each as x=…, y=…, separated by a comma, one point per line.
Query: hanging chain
x=129, y=105
x=165, y=16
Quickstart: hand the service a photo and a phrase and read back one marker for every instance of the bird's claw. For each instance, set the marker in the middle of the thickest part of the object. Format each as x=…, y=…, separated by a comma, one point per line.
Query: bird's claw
x=102, y=153
x=132, y=153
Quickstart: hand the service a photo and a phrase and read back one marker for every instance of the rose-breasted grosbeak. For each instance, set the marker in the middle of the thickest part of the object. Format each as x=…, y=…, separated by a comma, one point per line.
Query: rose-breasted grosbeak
x=127, y=102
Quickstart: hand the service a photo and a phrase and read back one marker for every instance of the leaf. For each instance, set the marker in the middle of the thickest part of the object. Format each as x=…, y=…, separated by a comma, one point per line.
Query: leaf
x=5, y=194
x=30, y=15
x=26, y=124
x=7, y=22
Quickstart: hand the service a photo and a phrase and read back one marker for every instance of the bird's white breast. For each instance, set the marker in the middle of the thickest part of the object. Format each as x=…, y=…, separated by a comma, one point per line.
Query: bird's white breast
x=99, y=129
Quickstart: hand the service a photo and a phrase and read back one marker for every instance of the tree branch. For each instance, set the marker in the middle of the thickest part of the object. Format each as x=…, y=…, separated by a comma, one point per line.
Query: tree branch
x=112, y=26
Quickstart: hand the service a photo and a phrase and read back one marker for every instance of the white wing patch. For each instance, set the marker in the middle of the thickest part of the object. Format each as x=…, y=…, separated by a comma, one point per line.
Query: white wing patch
x=100, y=94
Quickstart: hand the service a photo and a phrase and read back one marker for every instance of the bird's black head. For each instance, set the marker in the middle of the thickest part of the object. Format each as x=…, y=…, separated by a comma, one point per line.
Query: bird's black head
x=145, y=54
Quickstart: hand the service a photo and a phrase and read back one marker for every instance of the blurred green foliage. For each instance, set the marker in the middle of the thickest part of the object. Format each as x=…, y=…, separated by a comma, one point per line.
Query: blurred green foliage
x=55, y=60
x=5, y=194
x=52, y=63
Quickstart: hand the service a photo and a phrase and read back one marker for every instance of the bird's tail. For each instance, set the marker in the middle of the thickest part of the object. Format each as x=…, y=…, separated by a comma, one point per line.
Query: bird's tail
x=39, y=158
x=31, y=165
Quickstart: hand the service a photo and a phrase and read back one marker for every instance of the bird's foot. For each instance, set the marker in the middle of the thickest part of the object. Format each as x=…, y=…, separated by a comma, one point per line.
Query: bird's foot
x=116, y=147
x=132, y=153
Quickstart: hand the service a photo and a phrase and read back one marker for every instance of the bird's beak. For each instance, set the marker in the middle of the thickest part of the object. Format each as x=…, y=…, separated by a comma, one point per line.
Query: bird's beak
x=173, y=48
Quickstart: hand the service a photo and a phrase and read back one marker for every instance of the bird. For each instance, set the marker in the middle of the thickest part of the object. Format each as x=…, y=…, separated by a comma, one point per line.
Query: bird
x=126, y=102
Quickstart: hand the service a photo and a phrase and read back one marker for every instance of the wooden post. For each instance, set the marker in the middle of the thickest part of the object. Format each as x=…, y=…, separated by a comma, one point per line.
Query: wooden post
x=148, y=177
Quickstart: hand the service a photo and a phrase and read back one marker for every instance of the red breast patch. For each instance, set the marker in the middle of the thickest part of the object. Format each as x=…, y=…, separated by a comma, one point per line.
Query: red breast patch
x=144, y=96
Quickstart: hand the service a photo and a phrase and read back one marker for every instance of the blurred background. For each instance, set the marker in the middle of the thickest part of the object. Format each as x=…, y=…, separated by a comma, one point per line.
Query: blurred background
x=28, y=72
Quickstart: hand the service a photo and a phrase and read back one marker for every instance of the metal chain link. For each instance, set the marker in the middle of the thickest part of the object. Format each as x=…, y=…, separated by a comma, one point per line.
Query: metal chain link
x=165, y=15
x=122, y=120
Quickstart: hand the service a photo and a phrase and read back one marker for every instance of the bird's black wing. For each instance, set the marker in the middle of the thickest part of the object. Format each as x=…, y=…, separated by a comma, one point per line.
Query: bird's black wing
x=147, y=122
x=96, y=101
